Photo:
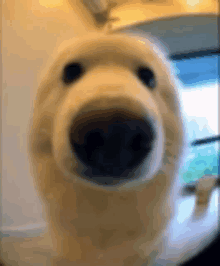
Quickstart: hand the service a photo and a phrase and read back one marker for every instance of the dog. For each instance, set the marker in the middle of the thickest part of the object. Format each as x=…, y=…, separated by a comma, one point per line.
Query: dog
x=106, y=145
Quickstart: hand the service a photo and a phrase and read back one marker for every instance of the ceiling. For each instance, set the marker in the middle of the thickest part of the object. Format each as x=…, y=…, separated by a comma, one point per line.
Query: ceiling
x=182, y=25
x=182, y=33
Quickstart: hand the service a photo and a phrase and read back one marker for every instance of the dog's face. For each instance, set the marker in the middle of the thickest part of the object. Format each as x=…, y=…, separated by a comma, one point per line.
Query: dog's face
x=107, y=126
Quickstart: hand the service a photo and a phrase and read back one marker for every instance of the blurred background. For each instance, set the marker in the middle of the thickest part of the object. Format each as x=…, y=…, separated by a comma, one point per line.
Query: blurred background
x=32, y=30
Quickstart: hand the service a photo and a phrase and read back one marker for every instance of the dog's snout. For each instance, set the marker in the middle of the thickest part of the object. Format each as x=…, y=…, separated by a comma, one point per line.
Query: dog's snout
x=111, y=142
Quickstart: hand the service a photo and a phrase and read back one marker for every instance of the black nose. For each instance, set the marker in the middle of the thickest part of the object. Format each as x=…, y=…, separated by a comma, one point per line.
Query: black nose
x=111, y=143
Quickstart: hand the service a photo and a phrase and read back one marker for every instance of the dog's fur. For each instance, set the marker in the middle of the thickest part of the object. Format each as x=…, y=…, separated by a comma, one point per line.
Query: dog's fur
x=91, y=224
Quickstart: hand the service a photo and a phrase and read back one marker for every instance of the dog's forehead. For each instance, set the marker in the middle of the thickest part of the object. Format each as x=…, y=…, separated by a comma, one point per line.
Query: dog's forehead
x=114, y=47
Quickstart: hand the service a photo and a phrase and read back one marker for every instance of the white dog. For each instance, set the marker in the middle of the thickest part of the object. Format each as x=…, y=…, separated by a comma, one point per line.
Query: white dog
x=106, y=144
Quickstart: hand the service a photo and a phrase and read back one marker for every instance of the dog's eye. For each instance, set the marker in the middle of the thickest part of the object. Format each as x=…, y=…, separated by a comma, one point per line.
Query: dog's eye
x=146, y=75
x=72, y=72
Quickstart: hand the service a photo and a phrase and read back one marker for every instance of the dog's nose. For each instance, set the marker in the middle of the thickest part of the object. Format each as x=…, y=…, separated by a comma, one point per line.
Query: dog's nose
x=111, y=142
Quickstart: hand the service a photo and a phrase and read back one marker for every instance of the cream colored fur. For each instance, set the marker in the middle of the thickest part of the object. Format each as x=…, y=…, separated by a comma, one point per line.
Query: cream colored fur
x=90, y=224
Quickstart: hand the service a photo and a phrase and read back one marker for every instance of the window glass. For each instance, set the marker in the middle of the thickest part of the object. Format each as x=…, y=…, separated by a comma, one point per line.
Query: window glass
x=199, y=102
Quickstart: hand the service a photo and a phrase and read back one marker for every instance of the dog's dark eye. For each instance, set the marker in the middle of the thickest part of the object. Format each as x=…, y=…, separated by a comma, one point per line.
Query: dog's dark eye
x=72, y=72
x=146, y=75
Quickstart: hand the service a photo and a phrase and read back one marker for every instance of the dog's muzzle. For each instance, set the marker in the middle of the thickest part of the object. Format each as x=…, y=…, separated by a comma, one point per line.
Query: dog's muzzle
x=110, y=142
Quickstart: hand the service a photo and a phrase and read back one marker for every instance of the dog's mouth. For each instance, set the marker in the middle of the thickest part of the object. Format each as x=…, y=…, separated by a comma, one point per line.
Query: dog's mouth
x=111, y=143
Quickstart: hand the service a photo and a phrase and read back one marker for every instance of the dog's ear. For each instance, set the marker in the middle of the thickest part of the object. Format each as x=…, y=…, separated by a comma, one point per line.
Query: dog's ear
x=43, y=93
x=170, y=98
